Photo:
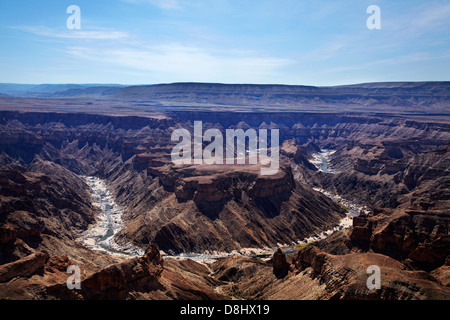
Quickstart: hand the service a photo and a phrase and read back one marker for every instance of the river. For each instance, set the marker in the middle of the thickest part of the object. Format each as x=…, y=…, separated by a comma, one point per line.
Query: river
x=100, y=235
x=322, y=160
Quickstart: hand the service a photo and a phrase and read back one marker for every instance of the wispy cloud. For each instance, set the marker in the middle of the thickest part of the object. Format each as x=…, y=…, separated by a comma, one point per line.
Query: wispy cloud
x=74, y=34
x=163, y=4
x=325, y=52
x=182, y=62
x=433, y=16
x=409, y=58
x=401, y=59
x=336, y=46
x=413, y=23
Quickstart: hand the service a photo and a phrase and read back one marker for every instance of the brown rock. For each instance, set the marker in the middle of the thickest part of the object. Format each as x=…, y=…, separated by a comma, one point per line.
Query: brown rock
x=189, y=280
x=58, y=263
x=280, y=265
x=215, y=183
x=361, y=231
x=114, y=281
x=442, y=275
x=419, y=236
x=266, y=186
x=311, y=256
x=25, y=267
x=10, y=233
x=432, y=254
x=345, y=276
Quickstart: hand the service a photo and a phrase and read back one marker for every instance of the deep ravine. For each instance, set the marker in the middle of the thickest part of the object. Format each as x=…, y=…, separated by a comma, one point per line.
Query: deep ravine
x=100, y=235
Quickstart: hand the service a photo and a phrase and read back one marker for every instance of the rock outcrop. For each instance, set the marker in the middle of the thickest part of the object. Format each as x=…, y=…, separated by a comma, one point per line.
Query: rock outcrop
x=346, y=277
x=211, y=184
x=43, y=198
x=149, y=277
x=24, y=267
x=115, y=281
x=9, y=233
x=315, y=274
x=421, y=237
x=280, y=265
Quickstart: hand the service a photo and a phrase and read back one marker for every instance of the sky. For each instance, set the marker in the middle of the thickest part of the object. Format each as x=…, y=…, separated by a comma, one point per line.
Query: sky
x=293, y=42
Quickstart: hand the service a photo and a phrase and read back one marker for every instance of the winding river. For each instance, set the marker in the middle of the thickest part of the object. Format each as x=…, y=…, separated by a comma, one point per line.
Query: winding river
x=100, y=235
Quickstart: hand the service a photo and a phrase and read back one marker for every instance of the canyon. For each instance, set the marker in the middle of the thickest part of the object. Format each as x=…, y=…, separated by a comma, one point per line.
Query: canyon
x=380, y=151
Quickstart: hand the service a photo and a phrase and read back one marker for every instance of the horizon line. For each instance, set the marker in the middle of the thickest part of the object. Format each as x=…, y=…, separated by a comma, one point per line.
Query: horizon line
x=219, y=83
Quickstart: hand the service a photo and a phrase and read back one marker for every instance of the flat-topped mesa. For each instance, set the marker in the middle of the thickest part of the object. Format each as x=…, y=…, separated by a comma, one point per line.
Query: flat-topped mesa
x=266, y=186
x=151, y=160
x=217, y=182
x=152, y=156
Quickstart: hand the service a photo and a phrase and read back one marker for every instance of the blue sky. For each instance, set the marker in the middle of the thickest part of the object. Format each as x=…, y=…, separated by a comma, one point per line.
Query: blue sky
x=228, y=41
